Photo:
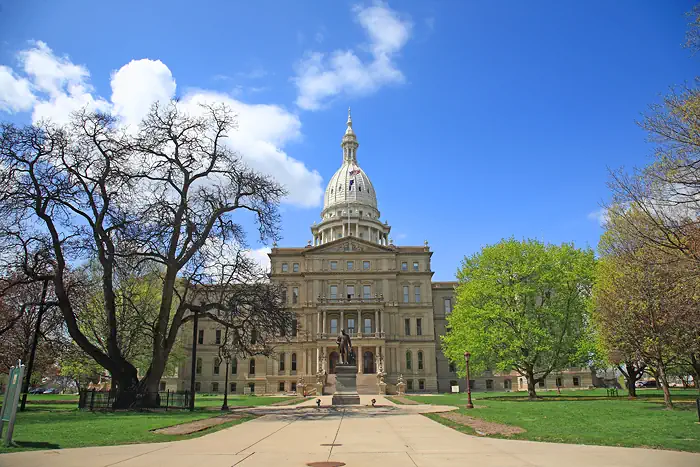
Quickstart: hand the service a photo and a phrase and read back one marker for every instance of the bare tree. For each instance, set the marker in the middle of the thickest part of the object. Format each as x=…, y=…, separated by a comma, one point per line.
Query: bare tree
x=168, y=200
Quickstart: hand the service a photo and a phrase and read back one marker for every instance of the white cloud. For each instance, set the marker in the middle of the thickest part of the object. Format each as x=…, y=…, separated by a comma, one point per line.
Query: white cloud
x=137, y=85
x=61, y=87
x=320, y=77
x=260, y=257
x=599, y=215
x=15, y=93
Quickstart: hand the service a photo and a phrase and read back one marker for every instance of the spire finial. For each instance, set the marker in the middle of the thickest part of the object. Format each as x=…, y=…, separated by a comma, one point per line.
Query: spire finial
x=349, y=118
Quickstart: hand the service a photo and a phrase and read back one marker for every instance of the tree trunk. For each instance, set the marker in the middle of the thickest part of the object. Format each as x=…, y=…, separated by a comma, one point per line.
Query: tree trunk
x=661, y=371
x=531, y=393
x=695, y=363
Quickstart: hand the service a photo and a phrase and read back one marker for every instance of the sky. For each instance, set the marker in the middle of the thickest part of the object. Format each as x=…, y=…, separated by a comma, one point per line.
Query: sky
x=477, y=121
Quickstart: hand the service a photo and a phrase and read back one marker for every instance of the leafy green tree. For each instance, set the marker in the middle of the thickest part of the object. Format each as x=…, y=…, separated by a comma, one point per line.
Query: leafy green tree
x=521, y=305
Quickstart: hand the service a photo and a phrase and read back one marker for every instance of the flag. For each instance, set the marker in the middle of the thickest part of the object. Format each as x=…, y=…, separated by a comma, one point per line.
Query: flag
x=354, y=172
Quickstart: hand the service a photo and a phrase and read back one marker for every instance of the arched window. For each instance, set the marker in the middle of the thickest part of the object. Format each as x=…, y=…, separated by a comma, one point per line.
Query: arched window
x=281, y=362
x=251, y=367
x=294, y=362
x=234, y=367
x=420, y=360
x=217, y=364
x=409, y=364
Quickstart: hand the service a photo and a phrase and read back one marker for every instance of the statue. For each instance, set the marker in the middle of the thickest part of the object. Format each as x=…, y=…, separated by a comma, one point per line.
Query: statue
x=400, y=385
x=344, y=347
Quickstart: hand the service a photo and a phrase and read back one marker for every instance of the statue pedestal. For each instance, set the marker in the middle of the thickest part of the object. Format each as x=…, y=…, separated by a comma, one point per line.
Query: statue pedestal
x=346, y=385
x=382, y=388
x=319, y=389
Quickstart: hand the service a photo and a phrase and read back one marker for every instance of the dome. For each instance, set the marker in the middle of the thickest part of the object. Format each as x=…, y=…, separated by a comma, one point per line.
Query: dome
x=350, y=184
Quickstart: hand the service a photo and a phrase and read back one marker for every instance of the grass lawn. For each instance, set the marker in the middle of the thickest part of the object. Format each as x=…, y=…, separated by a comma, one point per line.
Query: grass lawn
x=586, y=417
x=51, y=423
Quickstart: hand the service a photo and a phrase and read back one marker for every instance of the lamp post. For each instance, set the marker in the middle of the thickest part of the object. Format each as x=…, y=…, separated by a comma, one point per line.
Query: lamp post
x=469, y=388
x=195, y=336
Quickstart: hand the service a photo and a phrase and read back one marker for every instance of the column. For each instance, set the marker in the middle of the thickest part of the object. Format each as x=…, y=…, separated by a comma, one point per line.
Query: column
x=376, y=360
x=318, y=323
x=332, y=236
x=318, y=358
x=302, y=368
x=376, y=323
x=324, y=323
x=357, y=229
x=382, y=322
x=360, y=360
x=342, y=320
x=343, y=229
x=369, y=233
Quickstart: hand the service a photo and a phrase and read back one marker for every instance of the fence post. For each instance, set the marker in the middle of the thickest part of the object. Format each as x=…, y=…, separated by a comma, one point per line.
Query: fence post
x=167, y=400
x=92, y=400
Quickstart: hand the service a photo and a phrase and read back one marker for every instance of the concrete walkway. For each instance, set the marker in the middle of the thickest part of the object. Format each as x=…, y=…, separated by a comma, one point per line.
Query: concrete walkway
x=362, y=436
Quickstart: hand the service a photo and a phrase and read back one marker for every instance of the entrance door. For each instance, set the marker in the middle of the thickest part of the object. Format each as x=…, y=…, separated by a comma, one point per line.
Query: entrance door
x=368, y=362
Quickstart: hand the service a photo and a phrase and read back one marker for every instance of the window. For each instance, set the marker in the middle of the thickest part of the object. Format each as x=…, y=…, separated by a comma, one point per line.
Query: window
x=453, y=368
x=541, y=383
x=253, y=336
x=295, y=325
x=471, y=384
x=234, y=366
x=407, y=326
x=577, y=381
x=558, y=382
x=448, y=306
x=409, y=385
x=351, y=326
x=285, y=267
x=294, y=386
x=284, y=295
x=416, y=293
x=218, y=336
x=351, y=265
x=251, y=367
x=506, y=384
x=421, y=384
x=365, y=265
x=404, y=266
x=294, y=362
x=200, y=337
x=334, y=326
x=351, y=291
x=217, y=365
x=295, y=267
x=368, y=326
x=366, y=291
x=280, y=366
x=405, y=294
x=214, y=387
x=419, y=327
x=415, y=266
x=197, y=386
x=162, y=385
x=232, y=387
x=420, y=360
x=409, y=363
x=251, y=386
x=295, y=295
x=334, y=265
x=489, y=384
x=281, y=386
x=199, y=366
x=334, y=291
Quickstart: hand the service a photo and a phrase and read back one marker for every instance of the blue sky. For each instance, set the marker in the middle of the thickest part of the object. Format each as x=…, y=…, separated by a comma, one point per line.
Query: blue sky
x=476, y=120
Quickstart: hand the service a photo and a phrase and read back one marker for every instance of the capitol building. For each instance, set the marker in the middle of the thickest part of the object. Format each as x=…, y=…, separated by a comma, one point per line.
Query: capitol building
x=352, y=276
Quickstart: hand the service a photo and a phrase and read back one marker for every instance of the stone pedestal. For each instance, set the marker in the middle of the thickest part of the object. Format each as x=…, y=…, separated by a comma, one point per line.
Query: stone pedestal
x=346, y=385
x=319, y=389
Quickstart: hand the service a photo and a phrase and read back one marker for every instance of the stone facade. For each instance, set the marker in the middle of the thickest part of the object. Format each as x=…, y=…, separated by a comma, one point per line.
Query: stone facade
x=351, y=276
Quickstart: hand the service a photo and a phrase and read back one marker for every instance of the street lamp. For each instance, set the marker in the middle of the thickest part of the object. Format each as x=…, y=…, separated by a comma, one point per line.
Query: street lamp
x=469, y=388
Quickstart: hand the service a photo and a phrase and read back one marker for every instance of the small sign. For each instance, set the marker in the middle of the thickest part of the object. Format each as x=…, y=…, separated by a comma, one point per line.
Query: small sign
x=8, y=413
x=455, y=388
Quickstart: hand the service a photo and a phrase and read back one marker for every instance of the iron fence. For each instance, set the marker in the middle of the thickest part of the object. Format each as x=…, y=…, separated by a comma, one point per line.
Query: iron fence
x=126, y=400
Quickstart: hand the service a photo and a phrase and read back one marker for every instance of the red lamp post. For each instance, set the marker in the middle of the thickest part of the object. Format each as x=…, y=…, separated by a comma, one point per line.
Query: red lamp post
x=469, y=387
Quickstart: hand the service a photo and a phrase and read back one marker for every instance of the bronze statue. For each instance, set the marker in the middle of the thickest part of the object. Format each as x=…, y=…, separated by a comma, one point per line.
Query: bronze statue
x=344, y=347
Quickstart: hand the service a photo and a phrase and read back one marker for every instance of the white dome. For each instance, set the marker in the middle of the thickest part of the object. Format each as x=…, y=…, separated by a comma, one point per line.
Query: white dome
x=342, y=190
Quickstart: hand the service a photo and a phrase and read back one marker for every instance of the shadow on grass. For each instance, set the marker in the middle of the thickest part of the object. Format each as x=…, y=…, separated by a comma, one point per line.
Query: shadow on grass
x=35, y=445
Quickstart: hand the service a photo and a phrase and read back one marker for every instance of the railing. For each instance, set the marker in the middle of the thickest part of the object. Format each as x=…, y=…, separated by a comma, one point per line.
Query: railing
x=107, y=400
x=350, y=300
x=353, y=335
